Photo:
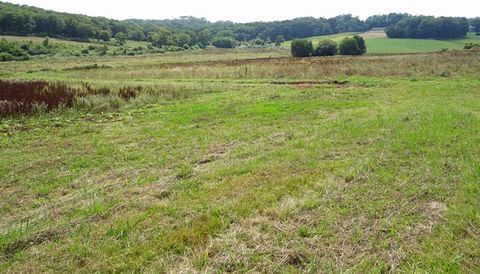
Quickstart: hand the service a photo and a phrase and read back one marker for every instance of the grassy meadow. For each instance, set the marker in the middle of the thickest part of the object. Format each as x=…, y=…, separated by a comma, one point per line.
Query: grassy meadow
x=378, y=43
x=246, y=160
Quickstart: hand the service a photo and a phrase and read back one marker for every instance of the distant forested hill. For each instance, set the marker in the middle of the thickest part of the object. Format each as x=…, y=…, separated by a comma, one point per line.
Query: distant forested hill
x=26, y=20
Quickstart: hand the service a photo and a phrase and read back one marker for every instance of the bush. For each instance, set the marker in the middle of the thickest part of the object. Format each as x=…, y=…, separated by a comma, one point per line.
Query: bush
x=258, y=42
x=223, y=42
x=280, y=39
x=326, y=48
x=301, y=48
x=121, y=38
x=352, y=46
x=4, y=56
x=472, y=45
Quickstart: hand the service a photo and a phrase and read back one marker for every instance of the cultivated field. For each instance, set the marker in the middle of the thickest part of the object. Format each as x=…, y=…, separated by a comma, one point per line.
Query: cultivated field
x=243, y=160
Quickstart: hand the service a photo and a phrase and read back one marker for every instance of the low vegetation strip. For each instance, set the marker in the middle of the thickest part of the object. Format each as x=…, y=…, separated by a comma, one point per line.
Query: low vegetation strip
x=18, y=97
x=34, y=97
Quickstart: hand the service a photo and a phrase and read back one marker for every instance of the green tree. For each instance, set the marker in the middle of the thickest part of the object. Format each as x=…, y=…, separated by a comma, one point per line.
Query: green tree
x=104, y=35
x=162, y=37
x=223, y=42
x=280, y=39
x=204, y=37
x=121, y=38
x=326, y=48
x=301, y=48
x=349, y=46
x=476, y=24
x=182, y=39
x=362, y=47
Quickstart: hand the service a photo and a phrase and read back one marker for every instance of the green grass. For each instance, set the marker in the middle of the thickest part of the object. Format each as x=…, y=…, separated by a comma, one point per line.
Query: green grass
x=263, y=172
x=385, y=45
x=335, y=37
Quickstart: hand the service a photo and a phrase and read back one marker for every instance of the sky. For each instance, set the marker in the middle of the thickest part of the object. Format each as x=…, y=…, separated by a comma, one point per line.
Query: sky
x=255, y=10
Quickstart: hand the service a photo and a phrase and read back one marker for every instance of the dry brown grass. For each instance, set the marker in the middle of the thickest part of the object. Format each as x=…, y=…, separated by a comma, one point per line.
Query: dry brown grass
x=446, y=64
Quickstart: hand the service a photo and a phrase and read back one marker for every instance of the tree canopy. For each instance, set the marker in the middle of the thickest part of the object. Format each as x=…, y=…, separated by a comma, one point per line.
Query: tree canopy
x=301, y=48
x=352, y=46
x=429, y=27
x=26, y=20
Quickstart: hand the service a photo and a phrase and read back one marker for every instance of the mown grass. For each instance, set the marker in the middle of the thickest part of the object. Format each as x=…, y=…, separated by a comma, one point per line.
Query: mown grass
x=387, y=45
x=375, y=172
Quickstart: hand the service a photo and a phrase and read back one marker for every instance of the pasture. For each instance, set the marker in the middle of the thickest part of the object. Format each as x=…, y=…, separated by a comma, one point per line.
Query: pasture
x=245, y=160
x=378, y=43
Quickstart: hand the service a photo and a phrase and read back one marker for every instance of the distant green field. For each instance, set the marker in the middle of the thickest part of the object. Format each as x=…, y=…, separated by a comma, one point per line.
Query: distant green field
x=335, y=37
x=385, y=45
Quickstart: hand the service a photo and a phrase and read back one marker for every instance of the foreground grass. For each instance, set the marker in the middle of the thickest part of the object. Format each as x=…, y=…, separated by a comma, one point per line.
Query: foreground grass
x=374, y=174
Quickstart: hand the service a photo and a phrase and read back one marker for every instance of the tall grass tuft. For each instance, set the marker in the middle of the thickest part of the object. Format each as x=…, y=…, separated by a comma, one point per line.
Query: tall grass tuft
x=27, y=97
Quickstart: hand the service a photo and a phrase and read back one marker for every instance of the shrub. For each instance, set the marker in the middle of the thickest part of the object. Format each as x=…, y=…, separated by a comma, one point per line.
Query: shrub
x=5, y=56
x=280, y=39
x=223, y=42
x=326, y=48
x=472, y=45
x=25, y=97
x=301, y=48
x=126, y=93
x=121, y=38
x=350, y=46
x=258, y=42
x=16, y=50
x=46, y=42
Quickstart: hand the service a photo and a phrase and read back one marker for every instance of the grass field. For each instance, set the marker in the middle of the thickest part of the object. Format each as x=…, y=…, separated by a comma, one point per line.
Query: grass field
x=247, y=161
x=378, y=43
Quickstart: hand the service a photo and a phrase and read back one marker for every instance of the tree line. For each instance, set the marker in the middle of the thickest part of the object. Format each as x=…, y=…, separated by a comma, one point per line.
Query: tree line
x=429, y=27
x=191, y=31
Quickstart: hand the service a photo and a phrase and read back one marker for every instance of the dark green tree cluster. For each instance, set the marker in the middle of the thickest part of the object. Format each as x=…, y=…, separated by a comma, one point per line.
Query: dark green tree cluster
x=420, y=27
x=187, y=32
x=301, y=48
x=326, y=48
x=475, y=22
x=25, y=20
x=349, y=46
x=223, y=42
x=353, y=46
x=383, y=21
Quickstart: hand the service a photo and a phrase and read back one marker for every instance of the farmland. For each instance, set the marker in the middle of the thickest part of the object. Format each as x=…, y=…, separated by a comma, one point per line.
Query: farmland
x=245, y=160
x=378, y=43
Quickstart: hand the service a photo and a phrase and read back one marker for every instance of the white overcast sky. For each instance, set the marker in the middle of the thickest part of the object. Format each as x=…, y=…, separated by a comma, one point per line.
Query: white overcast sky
x=255, y=10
